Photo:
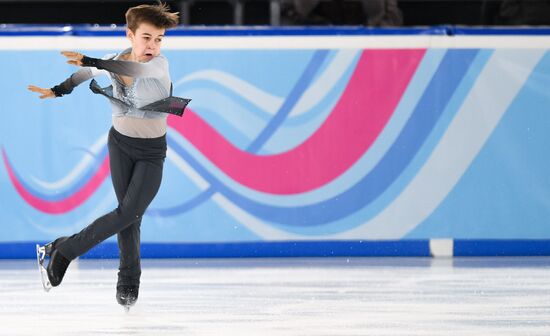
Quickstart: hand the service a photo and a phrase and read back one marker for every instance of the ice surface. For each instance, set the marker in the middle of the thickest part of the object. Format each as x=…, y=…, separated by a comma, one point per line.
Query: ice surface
x=360, y=296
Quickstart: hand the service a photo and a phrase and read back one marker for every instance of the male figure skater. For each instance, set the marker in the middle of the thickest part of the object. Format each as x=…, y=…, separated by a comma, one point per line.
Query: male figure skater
x=137, y=144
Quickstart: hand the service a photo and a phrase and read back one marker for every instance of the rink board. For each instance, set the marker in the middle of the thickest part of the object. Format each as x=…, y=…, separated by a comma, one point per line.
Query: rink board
x=297, y=143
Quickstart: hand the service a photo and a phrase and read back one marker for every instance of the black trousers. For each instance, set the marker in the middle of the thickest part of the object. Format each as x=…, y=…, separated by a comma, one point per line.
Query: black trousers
x=136, y=171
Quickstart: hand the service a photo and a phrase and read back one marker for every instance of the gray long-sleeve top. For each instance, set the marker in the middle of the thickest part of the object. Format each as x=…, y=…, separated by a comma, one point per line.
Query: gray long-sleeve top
x=151, y=83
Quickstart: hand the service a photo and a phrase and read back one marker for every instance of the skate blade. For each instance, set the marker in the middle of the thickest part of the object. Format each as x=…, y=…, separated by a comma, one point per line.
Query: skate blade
x=127, y=307
x=40, y=256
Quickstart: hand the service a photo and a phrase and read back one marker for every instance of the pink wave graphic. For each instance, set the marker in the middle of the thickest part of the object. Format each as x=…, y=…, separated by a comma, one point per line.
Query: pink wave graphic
x=64, y=205
x=372, y=94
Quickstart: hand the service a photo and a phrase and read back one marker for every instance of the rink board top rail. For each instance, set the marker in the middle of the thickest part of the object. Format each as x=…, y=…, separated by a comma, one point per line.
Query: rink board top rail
x=94, y=37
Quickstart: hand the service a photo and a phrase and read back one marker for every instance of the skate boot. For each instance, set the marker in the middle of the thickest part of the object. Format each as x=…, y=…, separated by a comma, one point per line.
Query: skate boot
x=127, y=296
x=57, y=267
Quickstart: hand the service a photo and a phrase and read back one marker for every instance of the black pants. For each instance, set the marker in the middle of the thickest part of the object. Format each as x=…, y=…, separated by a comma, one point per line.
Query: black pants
x=136, y=172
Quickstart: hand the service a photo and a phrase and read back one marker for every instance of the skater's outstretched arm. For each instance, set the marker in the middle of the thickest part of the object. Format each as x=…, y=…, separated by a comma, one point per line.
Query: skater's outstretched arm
x=157, y=67
x=68, y=85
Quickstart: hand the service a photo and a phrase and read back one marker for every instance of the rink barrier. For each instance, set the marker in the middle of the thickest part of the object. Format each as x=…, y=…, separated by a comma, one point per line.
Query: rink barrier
x=437, y=248
x=325, y=248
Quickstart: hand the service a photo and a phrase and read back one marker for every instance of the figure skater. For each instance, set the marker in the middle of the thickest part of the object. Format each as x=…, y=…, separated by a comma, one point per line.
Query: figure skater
x=136, y=143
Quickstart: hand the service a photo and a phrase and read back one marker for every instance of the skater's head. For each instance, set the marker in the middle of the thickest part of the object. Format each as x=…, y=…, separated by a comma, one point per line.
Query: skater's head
x=146, y=25
x=158, y=15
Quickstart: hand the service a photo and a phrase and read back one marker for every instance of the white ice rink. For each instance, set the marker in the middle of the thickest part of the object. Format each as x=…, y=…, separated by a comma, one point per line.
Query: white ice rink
x=359, y=296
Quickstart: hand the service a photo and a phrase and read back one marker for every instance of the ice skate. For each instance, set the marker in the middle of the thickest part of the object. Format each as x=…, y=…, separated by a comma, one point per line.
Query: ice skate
x=52, y=275
x=127, y=296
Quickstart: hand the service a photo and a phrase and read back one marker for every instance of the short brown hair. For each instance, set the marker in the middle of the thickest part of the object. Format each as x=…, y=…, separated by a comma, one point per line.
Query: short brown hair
x=158, y=15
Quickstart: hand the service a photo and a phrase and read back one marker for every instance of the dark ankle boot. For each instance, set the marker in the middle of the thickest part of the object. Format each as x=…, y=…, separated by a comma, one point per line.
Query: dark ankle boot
x=57, y=267
x=127, y=295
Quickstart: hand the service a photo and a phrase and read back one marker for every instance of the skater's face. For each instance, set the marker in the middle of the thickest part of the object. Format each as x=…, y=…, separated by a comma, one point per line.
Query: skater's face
x=146, y=41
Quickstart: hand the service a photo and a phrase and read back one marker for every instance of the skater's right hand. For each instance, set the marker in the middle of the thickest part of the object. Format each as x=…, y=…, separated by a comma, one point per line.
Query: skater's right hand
x=45, y=93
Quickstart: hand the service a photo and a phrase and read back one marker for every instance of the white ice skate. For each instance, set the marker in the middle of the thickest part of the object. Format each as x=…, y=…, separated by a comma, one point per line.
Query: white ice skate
x=40, y=256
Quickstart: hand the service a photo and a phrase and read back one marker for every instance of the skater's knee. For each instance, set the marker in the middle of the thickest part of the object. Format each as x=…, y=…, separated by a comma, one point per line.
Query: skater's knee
x=129, y=215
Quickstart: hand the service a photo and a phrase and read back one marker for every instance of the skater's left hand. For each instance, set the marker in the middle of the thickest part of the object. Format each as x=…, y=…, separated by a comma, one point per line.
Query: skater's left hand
x=44, y=92
x=74, y=57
